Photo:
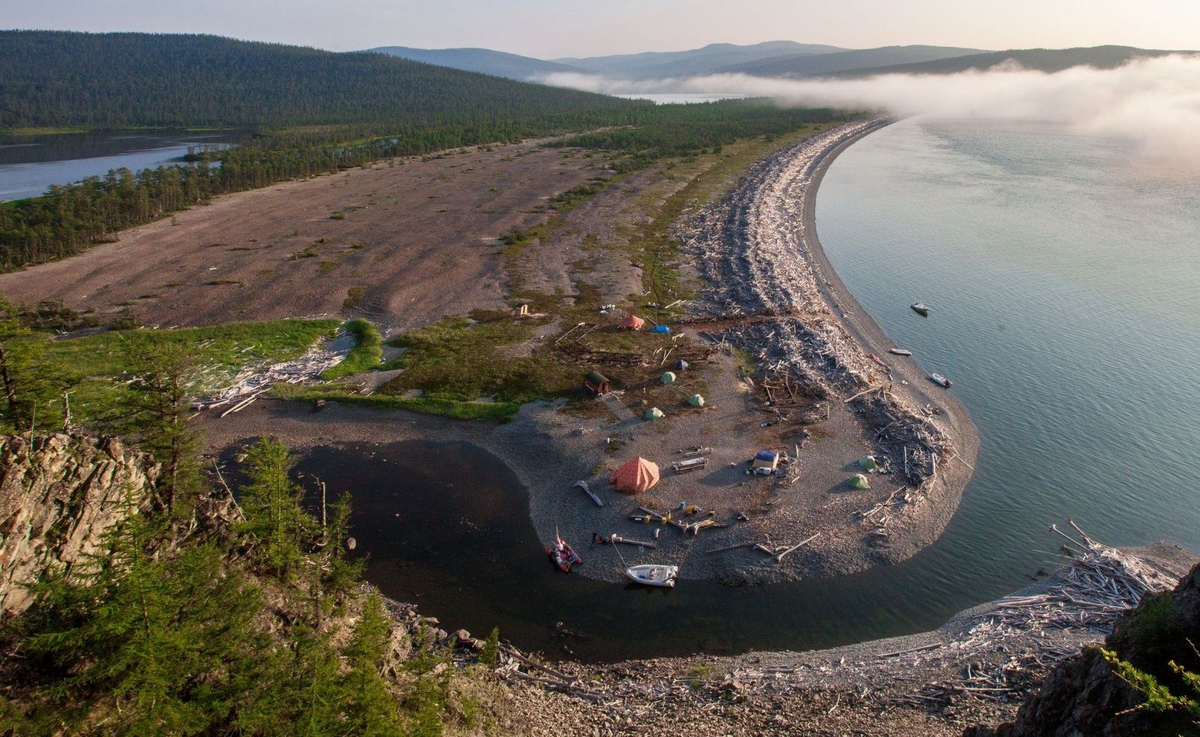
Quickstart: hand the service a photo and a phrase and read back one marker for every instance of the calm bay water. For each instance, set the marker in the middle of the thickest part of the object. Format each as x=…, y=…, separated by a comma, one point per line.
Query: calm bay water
x=30, y=164
x=1066, y=292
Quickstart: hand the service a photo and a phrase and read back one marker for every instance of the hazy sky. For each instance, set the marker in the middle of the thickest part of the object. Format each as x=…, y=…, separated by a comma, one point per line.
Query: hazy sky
x=554, y=28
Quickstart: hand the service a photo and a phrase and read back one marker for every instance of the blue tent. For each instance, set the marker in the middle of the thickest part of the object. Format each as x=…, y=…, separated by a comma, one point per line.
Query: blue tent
x=660, y=329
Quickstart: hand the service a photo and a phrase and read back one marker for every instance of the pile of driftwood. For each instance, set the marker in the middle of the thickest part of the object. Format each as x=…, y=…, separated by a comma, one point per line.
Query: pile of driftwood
x=513, y=664
x=1088, y=596
x=250, y=384
x=689, y=524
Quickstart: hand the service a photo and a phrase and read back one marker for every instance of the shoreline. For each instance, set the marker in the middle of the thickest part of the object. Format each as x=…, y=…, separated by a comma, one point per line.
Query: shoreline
x=873, y=339
x=773, y=293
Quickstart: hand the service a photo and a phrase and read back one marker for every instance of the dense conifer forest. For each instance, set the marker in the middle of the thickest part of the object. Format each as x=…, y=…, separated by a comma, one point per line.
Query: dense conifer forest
x=314, y=112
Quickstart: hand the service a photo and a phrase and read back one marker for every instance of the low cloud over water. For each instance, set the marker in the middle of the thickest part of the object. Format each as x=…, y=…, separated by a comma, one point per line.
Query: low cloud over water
x=1154, y=102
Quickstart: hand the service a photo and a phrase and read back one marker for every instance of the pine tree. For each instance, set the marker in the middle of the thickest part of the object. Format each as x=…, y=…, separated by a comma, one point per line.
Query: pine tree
x=275, y=520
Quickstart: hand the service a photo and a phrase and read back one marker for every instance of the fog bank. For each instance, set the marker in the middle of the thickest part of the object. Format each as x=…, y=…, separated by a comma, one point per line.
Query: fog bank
x=1154, y=103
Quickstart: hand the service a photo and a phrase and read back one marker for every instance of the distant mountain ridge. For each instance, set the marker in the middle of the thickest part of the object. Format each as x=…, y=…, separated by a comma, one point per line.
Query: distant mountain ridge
x=804, y=65
x=778, y=59
x=482, y=61
x=693, y=62
x=1044, y=60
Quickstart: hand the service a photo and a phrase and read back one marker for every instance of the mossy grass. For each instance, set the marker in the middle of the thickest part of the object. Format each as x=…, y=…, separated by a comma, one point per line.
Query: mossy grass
x=366, y=354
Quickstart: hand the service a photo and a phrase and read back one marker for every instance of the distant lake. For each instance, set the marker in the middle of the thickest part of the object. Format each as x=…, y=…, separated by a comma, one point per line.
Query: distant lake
x=30, y=164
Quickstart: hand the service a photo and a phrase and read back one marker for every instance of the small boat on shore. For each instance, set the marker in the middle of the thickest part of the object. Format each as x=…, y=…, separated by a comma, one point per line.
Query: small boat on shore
x=940, y=380
x=921, y=309
x=899, y=351
x=561, y=554
x=653, y=575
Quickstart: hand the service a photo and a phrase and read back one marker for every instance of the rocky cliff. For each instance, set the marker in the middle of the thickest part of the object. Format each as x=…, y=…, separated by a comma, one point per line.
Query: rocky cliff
x=57, y=496
x=1084, y=696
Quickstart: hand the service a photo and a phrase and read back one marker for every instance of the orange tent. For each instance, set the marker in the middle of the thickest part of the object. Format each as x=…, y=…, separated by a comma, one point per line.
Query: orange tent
x=635, y=477
x=633, y=322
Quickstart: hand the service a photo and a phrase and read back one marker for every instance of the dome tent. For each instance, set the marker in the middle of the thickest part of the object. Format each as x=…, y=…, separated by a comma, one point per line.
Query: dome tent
x=868, y=463
x=635, y=476
x=654, y=413
x=681, y=365
x=858, y=481
x=696, y=400
x=633, y=322
x=668, y=378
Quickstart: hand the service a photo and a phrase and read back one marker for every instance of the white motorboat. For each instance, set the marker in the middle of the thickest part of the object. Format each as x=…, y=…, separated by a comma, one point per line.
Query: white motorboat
x=940, y=380
x=900, y=351
x=653, y=575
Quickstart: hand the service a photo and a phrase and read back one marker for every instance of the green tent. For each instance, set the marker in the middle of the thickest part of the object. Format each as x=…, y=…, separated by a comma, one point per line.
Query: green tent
x=868, y=463
x=858, y=481
x=653, y=413
x=669, y=377
x=696, y=400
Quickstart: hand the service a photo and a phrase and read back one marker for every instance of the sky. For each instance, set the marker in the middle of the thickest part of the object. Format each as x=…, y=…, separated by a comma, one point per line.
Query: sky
x=564, y=28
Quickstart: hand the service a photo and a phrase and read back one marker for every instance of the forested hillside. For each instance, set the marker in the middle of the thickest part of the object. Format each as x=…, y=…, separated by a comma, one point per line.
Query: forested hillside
x=316, y=112
x=114, y=80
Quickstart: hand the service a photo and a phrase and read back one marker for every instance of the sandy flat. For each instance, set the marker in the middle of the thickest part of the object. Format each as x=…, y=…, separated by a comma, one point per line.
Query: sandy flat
x=418, y=238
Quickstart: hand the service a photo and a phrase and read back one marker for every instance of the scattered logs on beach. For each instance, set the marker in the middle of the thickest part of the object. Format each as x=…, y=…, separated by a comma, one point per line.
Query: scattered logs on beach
x=242, y=389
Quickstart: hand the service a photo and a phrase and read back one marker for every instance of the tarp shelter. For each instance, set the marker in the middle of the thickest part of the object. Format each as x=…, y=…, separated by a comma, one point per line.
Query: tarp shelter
x=598, y=383
x=868, y=463
x=681, y=365
x=660, y=329
x=633, y=322
x=858, y=481
x=767, y=459
x=696, y=400
x=654, y=413
x=635, y=477
x=668, y=378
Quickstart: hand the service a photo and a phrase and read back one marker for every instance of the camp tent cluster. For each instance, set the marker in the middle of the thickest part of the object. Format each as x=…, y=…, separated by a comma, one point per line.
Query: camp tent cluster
x=635, y=476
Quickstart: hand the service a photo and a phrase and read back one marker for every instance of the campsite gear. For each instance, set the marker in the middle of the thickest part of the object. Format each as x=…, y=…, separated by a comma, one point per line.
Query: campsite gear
x=921, y=309
x=940, y=380
x=681, y=365
x=635, y=476
x=765, y=462
x=860, y=482
x=868, y=463
x=654, y=413
x=633, y=322
x=877, y=359
x=668, y=377
x=561, y=554
x=690, y=464
x=653, y=575
x=696, y=400
x=660, y=329
x=900, y=351
x=598, y=383
x=586, y=490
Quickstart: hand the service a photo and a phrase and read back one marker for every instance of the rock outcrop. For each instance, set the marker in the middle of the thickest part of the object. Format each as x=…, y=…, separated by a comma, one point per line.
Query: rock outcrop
x=57, y=496
x=1084, y=696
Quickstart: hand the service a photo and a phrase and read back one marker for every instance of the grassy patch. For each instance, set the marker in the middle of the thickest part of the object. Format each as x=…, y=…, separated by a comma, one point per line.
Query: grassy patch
x=454, y=409
x=364, y=356
x=354, y=295
x=94, y=366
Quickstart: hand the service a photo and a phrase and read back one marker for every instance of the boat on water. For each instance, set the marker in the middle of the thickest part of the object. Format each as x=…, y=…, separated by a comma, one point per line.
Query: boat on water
x=900, y=351
x=921, y=309
x=653, y=575
x=561, y=554
x=940, y=380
